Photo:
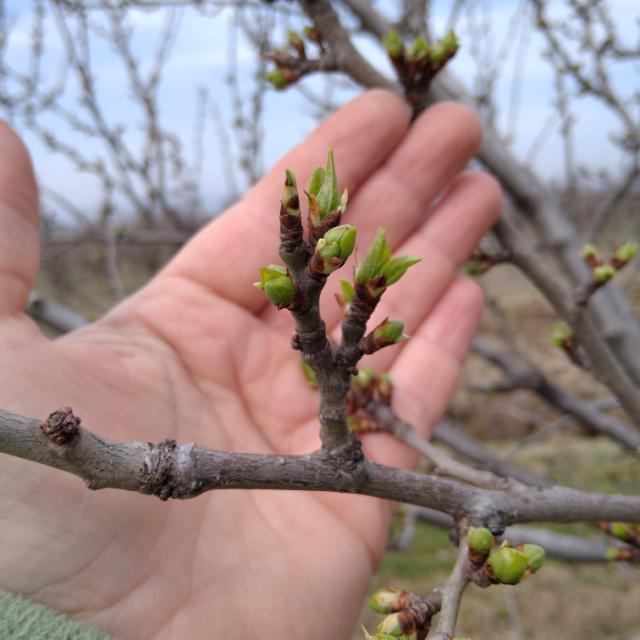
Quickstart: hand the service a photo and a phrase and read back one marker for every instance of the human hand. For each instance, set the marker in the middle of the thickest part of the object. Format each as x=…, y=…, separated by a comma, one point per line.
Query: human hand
x=199, y=355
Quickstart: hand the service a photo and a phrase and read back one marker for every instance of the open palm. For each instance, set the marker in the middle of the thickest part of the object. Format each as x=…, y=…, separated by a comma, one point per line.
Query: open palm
x=198, y=355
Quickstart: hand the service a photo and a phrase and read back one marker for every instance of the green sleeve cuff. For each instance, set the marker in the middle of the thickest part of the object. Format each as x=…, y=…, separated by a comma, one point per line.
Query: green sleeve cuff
x=22, y=619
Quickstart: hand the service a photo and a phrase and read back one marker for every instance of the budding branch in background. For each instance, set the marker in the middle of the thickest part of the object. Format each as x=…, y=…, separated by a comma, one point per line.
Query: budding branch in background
x=169, y=470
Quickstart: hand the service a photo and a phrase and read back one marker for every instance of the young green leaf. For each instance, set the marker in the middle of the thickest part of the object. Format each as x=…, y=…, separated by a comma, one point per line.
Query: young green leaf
x=348, y=293
x=393, y=44
x=375, y=260
x=397, y=267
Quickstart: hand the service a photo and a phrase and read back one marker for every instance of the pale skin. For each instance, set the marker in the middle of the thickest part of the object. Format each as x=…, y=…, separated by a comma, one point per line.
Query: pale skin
x=199, y=355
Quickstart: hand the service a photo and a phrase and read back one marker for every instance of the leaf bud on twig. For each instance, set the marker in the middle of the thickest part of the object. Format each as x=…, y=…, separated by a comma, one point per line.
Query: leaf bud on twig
x=603, y=273
x=388, y=332
x=590, y=255
x=389, y=600
x=393, y=44
x=333, y=249
x=534, y=554
x=508, y=564
x=443, y=50
x=624, y=254
x=278, y=78
x=418, y=50
x=324, y=196
x=277, y=285
x=396, y=627
x=480, y=541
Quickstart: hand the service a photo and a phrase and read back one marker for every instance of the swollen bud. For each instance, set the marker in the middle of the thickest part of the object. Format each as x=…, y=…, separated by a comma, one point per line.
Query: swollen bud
x=393, y=44
x=290, y=201
x=561, y=335
x=277, y=285
x=333, y=249
x=388, y=332
x=392, y=626
x=534, y=554
x=277, y=78
x=626, y=252
x=445, y=49
x=418, y=50
x=509, y=565
x=603, y=273
x=589, y=252
x=324, y=197
x=480, y=541
x=388, y=600
x=622, y=531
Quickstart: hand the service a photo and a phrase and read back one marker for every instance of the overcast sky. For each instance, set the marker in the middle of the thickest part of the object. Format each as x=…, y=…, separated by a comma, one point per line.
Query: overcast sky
x=200, y=58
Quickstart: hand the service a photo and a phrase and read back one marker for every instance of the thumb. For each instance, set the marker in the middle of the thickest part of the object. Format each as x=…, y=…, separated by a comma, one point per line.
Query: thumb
x=19, y=217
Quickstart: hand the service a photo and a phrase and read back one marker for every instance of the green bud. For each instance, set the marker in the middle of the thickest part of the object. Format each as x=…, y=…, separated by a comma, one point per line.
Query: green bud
x=280, y=291
x=337, y=243
x=397, y=267
x=603, y=273
x=389, y=331
x=376, y=259
x=509, y=565
x=277, y=286
x=418, y=50
x=290, y=195
x=627, y=251
x=388, y=600
x=534, y=554
x=391, y=626
x=561, y=333
x=621, y=530
x=393, y=44
x=347, y=291
x=480, y=539
x=323, y=188
x=612, y=554
x=364, y=377
x=589, y=251
x=277, y=78
x=445, y=49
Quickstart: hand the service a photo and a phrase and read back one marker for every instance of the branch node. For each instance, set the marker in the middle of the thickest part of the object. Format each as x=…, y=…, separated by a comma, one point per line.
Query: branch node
x=61, y=427
x=158, y=474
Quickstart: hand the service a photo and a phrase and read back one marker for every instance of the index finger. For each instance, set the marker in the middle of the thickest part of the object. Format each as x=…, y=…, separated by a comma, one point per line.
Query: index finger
x=226, y=255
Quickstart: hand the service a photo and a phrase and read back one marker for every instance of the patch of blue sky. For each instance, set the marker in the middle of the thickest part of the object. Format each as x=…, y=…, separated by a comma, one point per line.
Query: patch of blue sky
x=200, y=57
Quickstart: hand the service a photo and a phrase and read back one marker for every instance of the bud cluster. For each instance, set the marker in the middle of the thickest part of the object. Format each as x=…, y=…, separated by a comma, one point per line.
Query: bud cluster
x=505, y=564
x=564, y=338
x=367, y=386
x=418, y=63
x=408, y=617
x=291, y=61
x=481, y=261
x=624, y=531
x=603, y=271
